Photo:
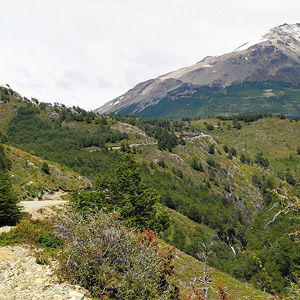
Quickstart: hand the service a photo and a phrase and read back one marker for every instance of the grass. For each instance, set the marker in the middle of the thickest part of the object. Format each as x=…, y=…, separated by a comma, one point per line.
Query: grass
x=189, y=268
x=28, y=178
x=277, y=139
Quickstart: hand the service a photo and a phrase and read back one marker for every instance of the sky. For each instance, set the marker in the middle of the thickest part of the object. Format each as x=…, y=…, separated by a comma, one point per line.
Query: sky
x=87, y=52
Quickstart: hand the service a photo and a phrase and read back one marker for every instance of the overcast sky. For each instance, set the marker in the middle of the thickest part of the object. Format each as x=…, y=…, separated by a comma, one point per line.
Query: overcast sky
x=87, y=52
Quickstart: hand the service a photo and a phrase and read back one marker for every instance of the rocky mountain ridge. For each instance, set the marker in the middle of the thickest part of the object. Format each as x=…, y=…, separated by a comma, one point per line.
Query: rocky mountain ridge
x=274, y=57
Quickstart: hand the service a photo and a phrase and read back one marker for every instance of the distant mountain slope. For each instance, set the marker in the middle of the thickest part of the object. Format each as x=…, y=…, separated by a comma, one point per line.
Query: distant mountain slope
x=209, y=87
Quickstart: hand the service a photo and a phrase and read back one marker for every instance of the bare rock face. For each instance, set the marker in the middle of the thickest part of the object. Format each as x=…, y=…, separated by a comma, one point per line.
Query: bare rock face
x=275, y=56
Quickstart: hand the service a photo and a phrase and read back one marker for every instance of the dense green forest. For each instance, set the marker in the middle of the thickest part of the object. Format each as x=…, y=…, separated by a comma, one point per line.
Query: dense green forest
x=202, y=101
x=219, y=172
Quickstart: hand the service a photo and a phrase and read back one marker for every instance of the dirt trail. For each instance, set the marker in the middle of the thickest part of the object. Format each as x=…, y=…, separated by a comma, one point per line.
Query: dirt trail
x=31, y=206
x=44, y=208
x=39, y=209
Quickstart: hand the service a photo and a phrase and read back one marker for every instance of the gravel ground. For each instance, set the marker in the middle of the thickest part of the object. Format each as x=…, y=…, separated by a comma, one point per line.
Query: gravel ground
x=33, y=205
x=21, y=278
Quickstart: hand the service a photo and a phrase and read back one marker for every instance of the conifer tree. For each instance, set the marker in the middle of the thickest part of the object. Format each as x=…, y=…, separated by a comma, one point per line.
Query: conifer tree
x=127, y=193
x=10, y=211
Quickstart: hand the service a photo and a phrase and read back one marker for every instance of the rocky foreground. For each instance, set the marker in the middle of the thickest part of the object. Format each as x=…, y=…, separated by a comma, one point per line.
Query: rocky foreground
x=21, y=278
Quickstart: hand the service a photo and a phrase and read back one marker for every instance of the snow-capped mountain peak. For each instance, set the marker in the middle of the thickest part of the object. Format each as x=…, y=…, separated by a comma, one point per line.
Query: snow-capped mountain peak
x=286, y=30
x=273, y=57
x=281, y=34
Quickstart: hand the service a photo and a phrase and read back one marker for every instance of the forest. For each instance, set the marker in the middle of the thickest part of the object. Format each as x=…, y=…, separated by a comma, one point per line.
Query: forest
x=228, y=179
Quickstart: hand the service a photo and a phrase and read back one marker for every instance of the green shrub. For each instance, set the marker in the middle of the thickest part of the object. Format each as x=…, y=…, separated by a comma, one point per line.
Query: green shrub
x=263, y=161
x=233, y=151
x=196, y=165
x=211, y=149
x=45, y=168
x=35, y=232
x=210, y=127
x=243, y=158
x=211, y=162
x=225, y=148
x=162, y=163
x=113, y=261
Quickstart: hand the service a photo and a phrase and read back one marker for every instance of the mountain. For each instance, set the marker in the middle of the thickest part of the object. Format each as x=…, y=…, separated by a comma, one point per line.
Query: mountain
x=213, y=175
x=261, y=76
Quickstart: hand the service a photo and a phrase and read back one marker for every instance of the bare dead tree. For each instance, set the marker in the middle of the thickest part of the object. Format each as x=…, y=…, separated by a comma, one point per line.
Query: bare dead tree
x=286, y=202
x=204, y=255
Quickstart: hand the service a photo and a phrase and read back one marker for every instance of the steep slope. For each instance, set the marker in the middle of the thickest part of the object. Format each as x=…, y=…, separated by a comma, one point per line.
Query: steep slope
x=29, y=179
x=211, y=175
x=273, y=58
x=190, y=270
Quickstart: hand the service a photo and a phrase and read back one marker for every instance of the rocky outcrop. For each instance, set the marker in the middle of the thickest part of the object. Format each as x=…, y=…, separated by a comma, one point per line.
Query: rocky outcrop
x=22, y=278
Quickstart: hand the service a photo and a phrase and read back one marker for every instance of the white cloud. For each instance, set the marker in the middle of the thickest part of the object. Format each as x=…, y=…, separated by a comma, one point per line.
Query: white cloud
x=85, y=53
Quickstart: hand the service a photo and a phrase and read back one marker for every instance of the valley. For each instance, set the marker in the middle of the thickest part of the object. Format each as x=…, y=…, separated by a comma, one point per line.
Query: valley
x=214, y=178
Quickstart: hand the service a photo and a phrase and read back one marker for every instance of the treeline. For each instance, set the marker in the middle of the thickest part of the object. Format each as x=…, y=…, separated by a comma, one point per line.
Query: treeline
x=162, y=130
x=54, y=140
x=27, y=126
x=150, y=125
x=246, y=117
x=252, y=117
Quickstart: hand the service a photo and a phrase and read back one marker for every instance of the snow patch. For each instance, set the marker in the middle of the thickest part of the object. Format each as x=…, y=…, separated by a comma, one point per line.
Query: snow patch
x=291, y=29
x=246, y=58
x=207, y=66
x=247, y=45
x=282, y=31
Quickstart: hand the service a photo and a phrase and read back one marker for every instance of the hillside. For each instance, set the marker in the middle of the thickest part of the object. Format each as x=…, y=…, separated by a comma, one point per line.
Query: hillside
x=191, y=270
x=261, y=77
x=29, y=178
x=214, y=175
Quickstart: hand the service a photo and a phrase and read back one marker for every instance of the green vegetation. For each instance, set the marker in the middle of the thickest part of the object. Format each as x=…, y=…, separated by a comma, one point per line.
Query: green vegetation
x=215, y=181
x=10, y=211
x=57, y=141
x=45, y=168
x=134, y=200
x=36, y=233
x=196, y=165
x=91, y=247
x=265, y=98
x=113, y=261
x=28, y=178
